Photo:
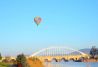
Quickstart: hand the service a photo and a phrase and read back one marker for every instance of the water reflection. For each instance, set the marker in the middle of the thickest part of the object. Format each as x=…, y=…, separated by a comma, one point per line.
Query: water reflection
x=70, y=64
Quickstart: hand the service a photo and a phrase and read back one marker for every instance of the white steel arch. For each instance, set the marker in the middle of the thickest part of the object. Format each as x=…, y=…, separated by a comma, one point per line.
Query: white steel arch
x=38, y=52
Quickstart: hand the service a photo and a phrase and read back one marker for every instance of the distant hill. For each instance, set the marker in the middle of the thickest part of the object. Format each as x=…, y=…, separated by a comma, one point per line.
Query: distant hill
x=86, y=50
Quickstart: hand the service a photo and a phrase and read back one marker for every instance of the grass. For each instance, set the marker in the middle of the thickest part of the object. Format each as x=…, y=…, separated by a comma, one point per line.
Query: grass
x=4, y=64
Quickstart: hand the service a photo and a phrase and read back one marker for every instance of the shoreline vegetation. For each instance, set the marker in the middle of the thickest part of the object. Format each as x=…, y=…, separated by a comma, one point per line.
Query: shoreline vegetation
x=34, y=62
x=22, y=61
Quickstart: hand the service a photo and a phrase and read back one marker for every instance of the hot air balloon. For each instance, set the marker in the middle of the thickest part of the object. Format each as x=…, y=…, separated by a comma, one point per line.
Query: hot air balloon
x=37, y=20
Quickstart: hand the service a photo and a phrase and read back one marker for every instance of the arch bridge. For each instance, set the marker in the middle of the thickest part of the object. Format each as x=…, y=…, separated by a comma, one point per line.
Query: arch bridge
x=58, y=54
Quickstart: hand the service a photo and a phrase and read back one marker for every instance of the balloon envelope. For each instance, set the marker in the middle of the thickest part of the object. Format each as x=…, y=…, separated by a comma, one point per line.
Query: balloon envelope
x=37, y=20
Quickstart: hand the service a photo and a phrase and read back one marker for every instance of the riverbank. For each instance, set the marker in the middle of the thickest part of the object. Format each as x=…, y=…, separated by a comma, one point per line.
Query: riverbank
x=90, y=60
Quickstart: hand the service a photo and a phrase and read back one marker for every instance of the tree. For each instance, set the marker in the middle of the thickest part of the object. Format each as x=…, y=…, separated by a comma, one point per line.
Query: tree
x=93, y=52
x=0, y=57
x=21, y=61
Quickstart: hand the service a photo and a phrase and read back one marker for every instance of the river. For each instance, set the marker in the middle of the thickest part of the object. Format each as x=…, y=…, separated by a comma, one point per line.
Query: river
x=71, y=64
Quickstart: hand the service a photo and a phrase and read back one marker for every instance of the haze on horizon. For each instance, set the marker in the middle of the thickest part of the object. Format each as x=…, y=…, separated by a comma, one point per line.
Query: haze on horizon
x=72, y=23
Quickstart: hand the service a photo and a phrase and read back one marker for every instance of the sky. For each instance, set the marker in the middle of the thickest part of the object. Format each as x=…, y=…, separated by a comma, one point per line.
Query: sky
x=71, y=23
